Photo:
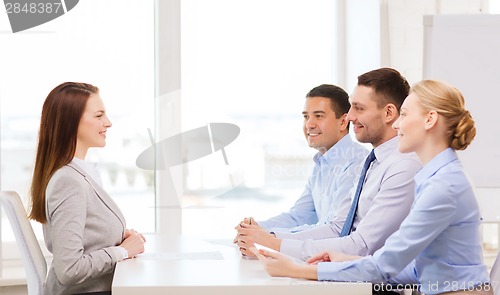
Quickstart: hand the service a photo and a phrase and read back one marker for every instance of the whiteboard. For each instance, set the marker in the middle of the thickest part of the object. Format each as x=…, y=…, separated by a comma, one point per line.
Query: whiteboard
x=464, y=50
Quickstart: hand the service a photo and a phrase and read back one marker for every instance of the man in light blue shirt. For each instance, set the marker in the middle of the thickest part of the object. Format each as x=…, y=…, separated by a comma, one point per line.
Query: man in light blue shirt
x=336, y=163
x=332, y=178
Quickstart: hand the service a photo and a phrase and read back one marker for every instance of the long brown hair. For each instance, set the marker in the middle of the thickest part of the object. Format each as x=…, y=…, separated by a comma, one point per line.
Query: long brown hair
x=61, y=114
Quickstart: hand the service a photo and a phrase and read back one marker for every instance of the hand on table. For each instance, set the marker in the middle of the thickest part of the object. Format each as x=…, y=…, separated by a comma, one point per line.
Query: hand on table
x=278, y=265
x=250, y=234
x=133, y=242
x=246, y=220
x=331, y=256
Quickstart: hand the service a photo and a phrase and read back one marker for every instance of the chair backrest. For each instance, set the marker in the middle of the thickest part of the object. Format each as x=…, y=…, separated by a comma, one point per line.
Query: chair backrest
x=34, y=261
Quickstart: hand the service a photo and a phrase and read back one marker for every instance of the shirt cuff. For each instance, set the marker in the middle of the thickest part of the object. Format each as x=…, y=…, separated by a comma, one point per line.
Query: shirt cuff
x=263, y=224
x=284, y=234
x=361, y=270
x=123, y=253
x=292, y=248
x=327, y=271
x=279, y=230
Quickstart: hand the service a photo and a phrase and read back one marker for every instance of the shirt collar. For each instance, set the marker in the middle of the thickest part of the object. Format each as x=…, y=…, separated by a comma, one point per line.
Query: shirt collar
x=386, y=149
x=436, y=163
x=334, y=154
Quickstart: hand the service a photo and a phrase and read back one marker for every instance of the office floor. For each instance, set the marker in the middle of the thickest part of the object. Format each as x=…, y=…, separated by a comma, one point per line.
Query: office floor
x=491, y=242
x=489, y=256
x=14, y=290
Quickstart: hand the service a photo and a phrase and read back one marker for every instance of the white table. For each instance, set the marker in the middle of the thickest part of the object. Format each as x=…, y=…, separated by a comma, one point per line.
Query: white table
x=164, y=268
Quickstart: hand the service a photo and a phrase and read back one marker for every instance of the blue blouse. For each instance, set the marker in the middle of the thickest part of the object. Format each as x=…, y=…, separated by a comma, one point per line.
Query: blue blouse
x=439, y=239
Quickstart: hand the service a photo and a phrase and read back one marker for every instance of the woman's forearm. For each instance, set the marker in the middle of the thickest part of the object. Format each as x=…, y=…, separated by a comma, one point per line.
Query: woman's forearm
x=305, y=271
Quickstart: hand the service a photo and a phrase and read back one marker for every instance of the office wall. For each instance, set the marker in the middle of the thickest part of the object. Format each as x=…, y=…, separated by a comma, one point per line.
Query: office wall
x=402, y=30
x=463, y=50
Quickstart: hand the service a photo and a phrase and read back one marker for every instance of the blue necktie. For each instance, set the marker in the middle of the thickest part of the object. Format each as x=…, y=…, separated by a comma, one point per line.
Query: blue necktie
x=346, y=229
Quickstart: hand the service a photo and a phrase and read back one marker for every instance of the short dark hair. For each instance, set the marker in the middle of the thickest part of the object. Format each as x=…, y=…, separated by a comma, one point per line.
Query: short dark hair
x=339, y=99
x=388, y=84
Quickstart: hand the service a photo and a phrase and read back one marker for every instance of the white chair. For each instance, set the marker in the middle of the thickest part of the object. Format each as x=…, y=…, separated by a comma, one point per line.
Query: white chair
x=34, y=261
x=495, y=275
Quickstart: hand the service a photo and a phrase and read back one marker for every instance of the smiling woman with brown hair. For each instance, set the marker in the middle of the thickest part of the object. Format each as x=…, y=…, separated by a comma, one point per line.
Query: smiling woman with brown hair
x=82, y=226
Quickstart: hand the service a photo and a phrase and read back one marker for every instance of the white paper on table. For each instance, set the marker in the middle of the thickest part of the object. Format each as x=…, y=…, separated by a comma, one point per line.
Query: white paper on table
x=213, y=255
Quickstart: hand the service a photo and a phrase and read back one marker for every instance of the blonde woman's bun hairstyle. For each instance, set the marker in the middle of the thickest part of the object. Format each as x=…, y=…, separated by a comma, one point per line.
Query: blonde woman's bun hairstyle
x=464, y=132
x=448, y=102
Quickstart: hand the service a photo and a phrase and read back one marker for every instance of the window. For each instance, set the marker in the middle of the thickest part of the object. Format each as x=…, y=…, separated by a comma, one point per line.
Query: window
x=106, y=43
x=250, y=63
x=494, y=6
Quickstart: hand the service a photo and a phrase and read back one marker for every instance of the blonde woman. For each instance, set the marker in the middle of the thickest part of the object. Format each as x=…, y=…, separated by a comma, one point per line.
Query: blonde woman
x=438, y=245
